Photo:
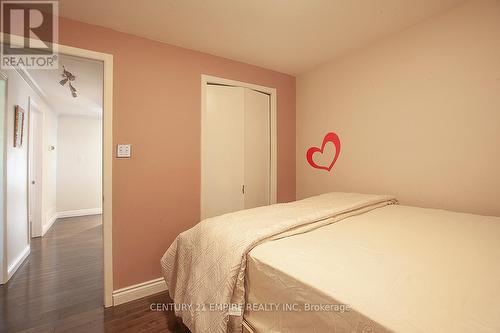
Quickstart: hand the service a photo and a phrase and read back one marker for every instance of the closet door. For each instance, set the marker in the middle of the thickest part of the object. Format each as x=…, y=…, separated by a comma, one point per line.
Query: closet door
x=257, y=149
x=222, y=167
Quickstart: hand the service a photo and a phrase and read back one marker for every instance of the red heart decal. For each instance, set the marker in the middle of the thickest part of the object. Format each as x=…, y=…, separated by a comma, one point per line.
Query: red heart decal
x=330, y=137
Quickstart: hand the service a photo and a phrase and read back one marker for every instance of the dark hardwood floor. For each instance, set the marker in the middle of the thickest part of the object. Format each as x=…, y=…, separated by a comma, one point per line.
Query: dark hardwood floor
x=59, y=288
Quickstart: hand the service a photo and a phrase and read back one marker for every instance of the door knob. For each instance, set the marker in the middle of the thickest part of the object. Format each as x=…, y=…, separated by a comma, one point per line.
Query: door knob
x=32, y=182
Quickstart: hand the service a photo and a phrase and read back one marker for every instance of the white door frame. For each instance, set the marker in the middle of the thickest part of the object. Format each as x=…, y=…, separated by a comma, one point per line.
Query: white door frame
x=3, y=196
x=205, y=80
x=34, y=148
x=107, y=160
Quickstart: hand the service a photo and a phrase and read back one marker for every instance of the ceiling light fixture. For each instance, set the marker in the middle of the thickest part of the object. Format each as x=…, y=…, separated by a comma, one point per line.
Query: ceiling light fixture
x=67, y=76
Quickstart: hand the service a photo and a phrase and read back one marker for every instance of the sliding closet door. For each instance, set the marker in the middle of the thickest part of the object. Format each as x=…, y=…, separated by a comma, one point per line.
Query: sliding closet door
x=257, y=149
x=223, y=155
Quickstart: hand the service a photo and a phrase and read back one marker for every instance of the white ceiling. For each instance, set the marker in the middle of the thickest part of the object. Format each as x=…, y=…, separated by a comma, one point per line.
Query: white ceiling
x=88, y=83
x=290, y=36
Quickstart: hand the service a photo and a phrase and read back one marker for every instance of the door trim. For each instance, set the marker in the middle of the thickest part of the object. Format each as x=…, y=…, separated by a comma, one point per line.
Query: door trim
x=35, y=230
x=207, y=79
x=3, y=219
x=107, y=160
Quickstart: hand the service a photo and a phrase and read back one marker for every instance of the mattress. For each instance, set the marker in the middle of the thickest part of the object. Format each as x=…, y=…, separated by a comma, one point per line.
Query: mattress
x=393, y=269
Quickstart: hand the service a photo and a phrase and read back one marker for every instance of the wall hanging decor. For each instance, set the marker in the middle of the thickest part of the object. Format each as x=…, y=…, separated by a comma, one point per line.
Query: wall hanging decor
x=330, y=137
x=18, y=126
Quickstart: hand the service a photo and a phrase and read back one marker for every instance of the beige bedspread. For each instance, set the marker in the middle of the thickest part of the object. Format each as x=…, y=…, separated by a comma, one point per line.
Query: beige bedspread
x=204, y=268
x=399, y=268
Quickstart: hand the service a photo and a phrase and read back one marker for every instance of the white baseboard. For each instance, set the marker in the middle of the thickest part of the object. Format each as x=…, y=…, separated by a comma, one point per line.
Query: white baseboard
x=17, y=262
x=69, y=213
x=137, y=291
x=79, y=212
x=49, y=224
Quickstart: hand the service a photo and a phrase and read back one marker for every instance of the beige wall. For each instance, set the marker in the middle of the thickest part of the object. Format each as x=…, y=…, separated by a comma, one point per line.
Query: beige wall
x=418, y=114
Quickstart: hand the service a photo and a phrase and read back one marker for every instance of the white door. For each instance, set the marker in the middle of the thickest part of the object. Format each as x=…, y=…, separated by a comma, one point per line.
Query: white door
x=35, y=172
x=257, y=149
x=222, y=165
x=236, y=150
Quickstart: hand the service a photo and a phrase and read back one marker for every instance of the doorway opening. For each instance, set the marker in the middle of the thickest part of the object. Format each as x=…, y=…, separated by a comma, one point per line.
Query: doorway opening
x=59, y=160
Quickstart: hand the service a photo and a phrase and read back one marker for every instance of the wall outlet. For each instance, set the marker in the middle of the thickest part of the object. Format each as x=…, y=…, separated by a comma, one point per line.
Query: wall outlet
x=124, y=151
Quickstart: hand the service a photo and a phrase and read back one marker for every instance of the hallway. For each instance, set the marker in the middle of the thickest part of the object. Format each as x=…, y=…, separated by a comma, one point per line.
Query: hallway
x=61, y=283
x=59, y=288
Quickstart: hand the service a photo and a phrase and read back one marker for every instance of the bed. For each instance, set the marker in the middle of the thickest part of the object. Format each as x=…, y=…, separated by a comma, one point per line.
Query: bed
x=370, y=267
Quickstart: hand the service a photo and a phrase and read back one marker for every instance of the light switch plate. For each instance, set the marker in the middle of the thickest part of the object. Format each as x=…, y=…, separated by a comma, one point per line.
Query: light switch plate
x=124, y=151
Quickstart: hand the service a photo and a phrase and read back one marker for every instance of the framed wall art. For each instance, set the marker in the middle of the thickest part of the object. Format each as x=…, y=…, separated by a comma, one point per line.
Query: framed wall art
x=18, y=126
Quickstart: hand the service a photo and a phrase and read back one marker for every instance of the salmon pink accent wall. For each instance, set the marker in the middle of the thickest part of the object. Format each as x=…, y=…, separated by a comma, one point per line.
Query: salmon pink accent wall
x=157, y=97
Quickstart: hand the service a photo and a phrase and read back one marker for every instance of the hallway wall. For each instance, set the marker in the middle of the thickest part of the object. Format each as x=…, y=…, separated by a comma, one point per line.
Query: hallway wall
x=3, y=97
x=19, y=93
x=79, y=165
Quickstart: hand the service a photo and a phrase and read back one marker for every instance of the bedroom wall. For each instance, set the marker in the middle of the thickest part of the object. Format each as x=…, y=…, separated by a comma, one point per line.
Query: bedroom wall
x=157, y=107
x=79, y=161
x=418, y=114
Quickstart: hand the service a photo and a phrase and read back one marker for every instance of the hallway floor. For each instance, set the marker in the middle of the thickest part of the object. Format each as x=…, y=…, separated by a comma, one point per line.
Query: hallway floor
x=59, y=288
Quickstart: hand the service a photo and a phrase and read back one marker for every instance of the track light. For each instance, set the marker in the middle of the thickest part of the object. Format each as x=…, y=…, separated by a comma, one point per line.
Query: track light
x=73, y=90
x=67, y=76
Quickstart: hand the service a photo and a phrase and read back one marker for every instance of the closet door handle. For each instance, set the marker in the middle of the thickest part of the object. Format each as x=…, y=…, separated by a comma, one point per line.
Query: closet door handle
x=243, y=189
